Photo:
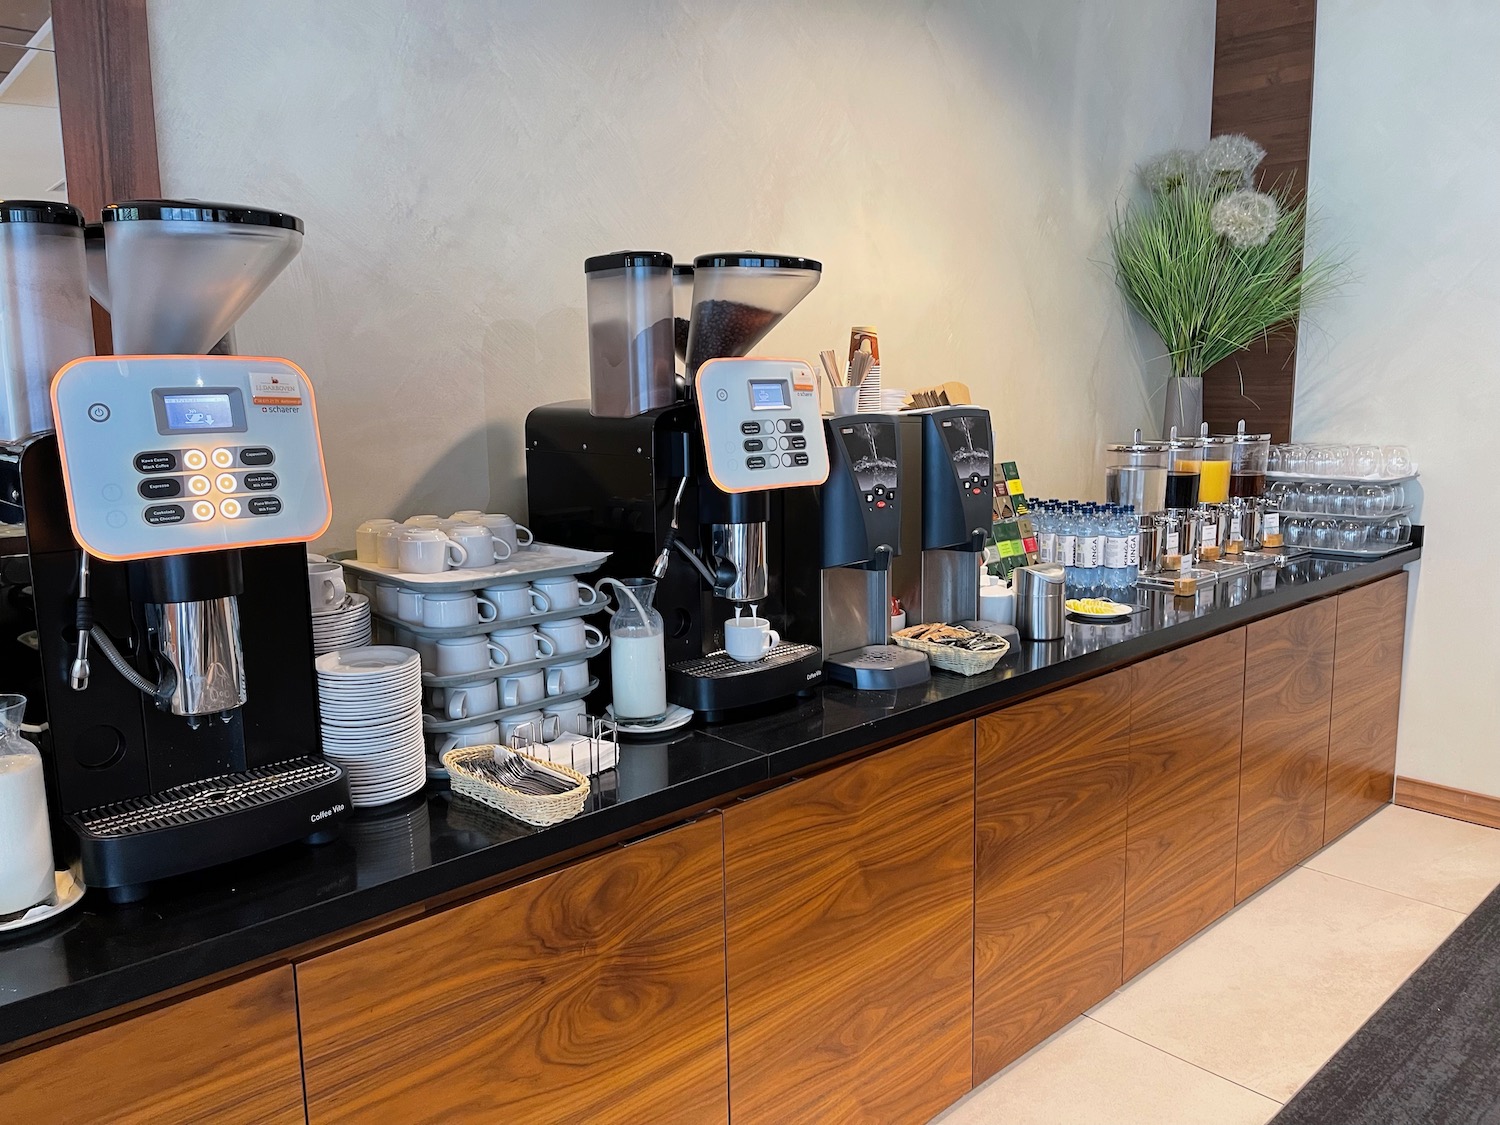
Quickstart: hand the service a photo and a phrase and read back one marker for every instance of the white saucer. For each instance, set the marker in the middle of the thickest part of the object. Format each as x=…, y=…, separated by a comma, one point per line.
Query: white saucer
x=68, y=894
x=675, y=718
x=372, y=660
x=353, y=603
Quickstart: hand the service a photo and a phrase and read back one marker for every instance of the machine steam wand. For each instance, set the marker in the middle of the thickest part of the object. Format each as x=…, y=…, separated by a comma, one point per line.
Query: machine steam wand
x=78, y=673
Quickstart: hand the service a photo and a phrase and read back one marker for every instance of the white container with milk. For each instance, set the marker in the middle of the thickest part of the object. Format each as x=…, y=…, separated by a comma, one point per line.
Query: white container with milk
x=637, y=652
x=26, y=876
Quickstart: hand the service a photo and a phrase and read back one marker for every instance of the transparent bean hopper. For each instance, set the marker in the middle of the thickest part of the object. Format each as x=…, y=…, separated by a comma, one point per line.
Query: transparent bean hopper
x=739, y=298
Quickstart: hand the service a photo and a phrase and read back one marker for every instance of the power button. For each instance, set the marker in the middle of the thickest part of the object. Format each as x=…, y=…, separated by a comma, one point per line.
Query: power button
x=98, y=412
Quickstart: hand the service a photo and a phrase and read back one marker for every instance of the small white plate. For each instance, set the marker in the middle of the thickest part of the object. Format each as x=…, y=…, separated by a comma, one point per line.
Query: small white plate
x=67, y=893
x=373, y=660
x=1119, y=614
x=675, y=718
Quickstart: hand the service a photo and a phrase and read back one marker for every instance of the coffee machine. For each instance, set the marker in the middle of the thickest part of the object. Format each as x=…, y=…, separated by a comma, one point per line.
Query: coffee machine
x=166, y=522
x=694, y=493
x=958, y=509
x=853, y=524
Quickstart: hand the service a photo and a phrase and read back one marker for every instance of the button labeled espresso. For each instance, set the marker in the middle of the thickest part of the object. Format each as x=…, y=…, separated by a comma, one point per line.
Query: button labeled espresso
x=156, y=461
x=160, y=514
x=160, y=488
x=263, y=505
x=256, y=456
x=260, y=482
x=754, y=445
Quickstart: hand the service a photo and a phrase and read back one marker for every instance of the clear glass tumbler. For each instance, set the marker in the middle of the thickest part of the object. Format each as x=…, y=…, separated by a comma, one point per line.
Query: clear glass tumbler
x=1352, y=535
x=1340, y=499
x=1323, y=535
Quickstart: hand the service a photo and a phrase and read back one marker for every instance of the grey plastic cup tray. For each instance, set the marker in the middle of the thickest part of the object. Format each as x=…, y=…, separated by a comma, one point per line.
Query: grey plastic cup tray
x=459, y=679
x=433, y=725
x=530, y=563
x=481, y=628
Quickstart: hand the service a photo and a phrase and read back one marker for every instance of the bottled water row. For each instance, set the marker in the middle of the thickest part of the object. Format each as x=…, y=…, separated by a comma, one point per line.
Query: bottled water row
x=1097, y=544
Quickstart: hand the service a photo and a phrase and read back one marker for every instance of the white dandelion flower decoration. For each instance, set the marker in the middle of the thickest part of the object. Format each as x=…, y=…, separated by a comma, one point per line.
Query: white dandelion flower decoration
x=1245, y=218
x=1228, y=161
x=1169, y=171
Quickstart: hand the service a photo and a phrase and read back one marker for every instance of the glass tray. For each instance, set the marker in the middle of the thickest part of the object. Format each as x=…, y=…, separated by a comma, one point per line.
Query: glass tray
x=1404, y=510
x=1316, y=478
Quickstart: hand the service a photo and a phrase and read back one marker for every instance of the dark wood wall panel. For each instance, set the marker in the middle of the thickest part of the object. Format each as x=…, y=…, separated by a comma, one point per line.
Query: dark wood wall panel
x=1263, y=87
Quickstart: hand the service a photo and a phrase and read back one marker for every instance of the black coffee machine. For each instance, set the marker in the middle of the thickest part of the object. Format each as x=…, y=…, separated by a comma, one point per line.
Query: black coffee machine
x=640, y=488
x=199, y=742
x=958, y=509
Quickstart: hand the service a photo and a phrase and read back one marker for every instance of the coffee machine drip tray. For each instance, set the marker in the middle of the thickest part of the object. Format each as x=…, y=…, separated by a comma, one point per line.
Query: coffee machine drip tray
x=130, y=843
x=717, y=684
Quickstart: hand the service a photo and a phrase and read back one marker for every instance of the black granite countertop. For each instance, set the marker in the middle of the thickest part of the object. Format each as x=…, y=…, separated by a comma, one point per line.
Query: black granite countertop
x=99, y=956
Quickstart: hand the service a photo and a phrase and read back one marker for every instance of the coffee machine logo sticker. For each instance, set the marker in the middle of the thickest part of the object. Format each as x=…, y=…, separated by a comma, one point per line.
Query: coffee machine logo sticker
x=272, y=388
x=967, y=457
x=872, y=449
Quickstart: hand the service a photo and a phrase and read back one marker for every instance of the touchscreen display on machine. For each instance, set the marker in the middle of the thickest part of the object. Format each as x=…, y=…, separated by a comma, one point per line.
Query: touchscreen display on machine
x=192, y=411
x=769, y=395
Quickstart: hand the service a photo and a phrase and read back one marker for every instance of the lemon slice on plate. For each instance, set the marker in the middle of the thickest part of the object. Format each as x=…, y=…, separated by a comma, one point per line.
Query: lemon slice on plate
x=1097, y=607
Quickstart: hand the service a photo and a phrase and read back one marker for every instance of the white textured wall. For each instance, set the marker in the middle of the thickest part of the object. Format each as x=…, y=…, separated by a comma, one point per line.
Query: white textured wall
x=1404, y=174
x=952, y=163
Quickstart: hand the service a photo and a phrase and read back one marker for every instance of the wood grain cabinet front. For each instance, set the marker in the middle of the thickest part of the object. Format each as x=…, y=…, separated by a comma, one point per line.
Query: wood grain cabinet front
x=849, y=902
x=591, y=994
x=1183, y=808
x=1049, y=864
x=1366, y=702
x=1284, y=760
x=227, y=1056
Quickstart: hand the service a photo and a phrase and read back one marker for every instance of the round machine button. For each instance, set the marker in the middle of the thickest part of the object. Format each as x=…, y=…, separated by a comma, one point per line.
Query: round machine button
x=115, y=518
x=199, y=486
x=260, y=482
x=194, y=459
x=225, y=482
x=159, y=488
x=723, y=395
x=263, y=505
x=781, y=426
x=774, y=461
x=98, y=412
x=203, y=510
x=156, y=461
x=256, y=456
x=230, y=508
x=159, y=514
x=111, y=493
x=223, y=458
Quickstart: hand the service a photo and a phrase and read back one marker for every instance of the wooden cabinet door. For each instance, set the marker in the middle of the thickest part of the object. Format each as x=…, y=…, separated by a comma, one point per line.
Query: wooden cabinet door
x=850, y=939
x=1284, y=757
x=1366, y=702
x=1049, y=864
x=592, y=994
x=1183, y=808
x=228, y=1056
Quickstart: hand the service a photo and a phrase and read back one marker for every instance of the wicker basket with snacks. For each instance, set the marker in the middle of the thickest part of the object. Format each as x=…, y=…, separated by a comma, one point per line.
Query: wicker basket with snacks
x=954, y=648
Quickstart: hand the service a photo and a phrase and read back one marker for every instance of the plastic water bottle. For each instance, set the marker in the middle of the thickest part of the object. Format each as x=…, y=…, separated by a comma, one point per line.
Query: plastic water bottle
x=1044, y=521
x=1067, y=546
x=1092, y=538
x=1116, y=550
x=1132, y=546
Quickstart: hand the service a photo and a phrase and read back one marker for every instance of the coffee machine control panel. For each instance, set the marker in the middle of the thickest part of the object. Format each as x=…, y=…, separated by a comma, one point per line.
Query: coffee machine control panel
x=958, y=468
x=167, y=455
x=762, y=424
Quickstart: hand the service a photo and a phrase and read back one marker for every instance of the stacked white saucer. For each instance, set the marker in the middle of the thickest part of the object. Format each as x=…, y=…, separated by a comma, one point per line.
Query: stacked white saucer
x=346, y=625
x=370, y=700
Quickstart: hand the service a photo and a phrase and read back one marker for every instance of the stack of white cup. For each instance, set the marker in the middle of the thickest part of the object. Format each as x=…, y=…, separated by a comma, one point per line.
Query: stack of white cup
x=426, y=544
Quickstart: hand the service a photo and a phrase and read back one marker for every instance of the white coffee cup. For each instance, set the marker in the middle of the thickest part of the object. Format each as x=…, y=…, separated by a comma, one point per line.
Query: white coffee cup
x=422, y=521
x=471, y=699
x=515, y=599
x=388, y=599
x=528, y=687
x=563, y=678
x=453, y=655
x=571, y=635
x=749, y=638
x=366, y=539
x=480, y=734
x=449, y=610
x=388, y=546
x=521, y=645
x=426, y=550
x=468, y=515
x=540, y=727
x=482, y=547
x=572, y=717
x=325, y=586
x=313, y=556
x=566, y=592
x=506, y=530
x=409, y=605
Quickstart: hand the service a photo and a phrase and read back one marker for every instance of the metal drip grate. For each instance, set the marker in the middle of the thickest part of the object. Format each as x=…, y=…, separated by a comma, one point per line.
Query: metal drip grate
x=212, y=797
x=721, y=666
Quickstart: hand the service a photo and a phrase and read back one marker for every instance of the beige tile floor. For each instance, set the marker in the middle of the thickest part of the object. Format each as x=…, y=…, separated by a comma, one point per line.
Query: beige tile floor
x=1228, y=1027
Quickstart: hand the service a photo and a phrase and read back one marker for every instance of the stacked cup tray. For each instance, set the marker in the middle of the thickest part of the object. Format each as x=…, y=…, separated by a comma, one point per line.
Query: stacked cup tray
x=529, y=564
x=370, y=703
x=459, y=679
x=434, y=725
x=483, y=627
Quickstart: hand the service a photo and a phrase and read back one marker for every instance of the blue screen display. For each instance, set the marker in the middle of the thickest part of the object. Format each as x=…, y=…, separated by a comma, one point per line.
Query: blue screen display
x=195, y=413
x=769, y=395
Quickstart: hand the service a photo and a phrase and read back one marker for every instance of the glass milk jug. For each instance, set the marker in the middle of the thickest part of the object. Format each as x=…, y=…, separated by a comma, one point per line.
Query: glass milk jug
x=25, y=838
x=637, y=654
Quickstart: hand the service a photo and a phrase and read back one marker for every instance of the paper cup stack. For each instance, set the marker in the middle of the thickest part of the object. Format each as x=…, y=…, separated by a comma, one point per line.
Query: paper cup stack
x=344, y=626
x=371, y=704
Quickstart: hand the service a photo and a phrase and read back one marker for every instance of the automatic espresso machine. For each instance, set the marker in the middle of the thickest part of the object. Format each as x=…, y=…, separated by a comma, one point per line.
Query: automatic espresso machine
x=166, y=523
x=695, y=492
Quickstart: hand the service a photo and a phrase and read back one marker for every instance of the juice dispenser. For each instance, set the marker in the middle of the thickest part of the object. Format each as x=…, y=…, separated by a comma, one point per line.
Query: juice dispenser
x=1135, y=473
x=1213, y=474
x=1184, y=460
